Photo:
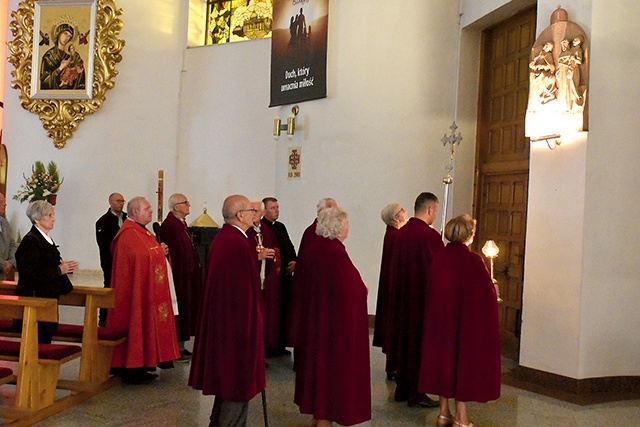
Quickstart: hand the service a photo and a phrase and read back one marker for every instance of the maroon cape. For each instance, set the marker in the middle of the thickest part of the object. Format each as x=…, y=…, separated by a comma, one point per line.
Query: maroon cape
x=332, y=371
x=416, y=245
x=228, y=355
x=382, y=328
x=271, y=287
x=461, y=345
x=297, y=310
x=143, y=300
x=185, y=264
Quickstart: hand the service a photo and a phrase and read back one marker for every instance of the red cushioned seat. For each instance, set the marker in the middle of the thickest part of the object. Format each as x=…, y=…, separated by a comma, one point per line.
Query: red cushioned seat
x=5, y=372
x=6, y=325
x=45, y=351
x=75, y=332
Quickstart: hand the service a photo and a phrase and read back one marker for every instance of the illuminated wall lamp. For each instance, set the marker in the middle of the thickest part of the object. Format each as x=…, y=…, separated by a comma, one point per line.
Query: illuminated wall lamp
x=553, y=141
x=290, y=127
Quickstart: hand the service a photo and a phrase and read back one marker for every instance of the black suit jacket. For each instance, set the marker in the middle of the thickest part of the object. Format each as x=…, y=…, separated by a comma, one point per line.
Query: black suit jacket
x=106, y=229
x=37, y=262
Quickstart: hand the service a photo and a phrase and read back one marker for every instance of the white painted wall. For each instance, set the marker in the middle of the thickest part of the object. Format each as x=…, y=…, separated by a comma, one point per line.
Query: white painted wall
x=121, y=147
x=580, y=316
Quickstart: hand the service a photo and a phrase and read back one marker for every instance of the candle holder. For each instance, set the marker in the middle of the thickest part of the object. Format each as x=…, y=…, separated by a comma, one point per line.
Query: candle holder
x=491, y=251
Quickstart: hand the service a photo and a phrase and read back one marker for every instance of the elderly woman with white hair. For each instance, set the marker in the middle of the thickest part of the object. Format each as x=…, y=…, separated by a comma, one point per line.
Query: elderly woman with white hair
x=332, y=372
x=461, y=338
x=42, y=272
x=394, y=216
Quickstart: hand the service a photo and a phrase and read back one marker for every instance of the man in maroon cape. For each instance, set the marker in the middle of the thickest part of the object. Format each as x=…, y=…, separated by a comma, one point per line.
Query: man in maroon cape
x=333, y=375
x=143, y=306
x=394, y=216
x=228, y=355
x=268, y=265
x=416, y=244
x=185, y=265
x=287, y=265
x=297, y=309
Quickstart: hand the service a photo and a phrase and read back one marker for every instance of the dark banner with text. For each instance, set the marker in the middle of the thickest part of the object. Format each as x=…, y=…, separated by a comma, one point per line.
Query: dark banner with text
x=299, y=51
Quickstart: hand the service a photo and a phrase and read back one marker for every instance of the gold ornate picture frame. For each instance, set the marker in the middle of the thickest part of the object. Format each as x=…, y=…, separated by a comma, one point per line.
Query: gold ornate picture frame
x=68, y=79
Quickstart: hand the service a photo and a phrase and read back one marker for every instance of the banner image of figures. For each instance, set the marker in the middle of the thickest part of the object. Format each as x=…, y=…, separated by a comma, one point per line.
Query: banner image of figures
x=238, y=20
x=299, y=51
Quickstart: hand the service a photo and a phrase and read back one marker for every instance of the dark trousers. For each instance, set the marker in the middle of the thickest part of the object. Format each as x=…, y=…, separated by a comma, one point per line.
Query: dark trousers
x=102, y=313
x=226, y=413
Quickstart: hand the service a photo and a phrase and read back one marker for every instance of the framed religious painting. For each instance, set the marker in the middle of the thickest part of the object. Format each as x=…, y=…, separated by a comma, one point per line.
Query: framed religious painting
x=63, y=42
x=64, y=55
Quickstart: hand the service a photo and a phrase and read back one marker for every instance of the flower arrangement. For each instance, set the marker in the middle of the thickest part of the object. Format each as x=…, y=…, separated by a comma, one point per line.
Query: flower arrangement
x=43, y=182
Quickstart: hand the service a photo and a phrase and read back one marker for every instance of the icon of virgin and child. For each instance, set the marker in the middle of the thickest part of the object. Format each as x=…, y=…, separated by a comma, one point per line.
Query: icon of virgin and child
x=61, y=66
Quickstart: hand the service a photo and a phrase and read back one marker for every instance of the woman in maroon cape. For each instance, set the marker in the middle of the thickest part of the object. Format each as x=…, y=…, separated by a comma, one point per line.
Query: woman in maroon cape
x=394, y=216
x=461, y=347
x=332, y=374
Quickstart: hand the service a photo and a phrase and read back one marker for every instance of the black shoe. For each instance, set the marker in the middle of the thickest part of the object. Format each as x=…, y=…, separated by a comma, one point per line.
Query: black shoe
x=422, y=401
x=400, y=395
x=139, y=378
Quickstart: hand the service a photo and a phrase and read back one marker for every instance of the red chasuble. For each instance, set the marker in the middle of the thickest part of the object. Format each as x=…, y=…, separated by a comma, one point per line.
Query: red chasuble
x=332, y=370
x=416, y=245
x=143, y=301
x=461, y=345
x=271, y=287
x=228, y=356
x=185, y=264
x=385, y=292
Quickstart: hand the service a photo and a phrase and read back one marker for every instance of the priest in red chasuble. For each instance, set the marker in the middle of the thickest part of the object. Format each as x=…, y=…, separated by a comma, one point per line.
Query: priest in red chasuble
x=143, y=306
x=461, y=340
x=228, y=356
x=185, y=264
x=333, y=381
x=416, y=245
x=268, y=265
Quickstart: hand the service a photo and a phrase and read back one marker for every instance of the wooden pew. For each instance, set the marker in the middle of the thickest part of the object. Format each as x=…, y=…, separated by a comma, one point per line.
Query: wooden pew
x=97, y=344
x=38, y=364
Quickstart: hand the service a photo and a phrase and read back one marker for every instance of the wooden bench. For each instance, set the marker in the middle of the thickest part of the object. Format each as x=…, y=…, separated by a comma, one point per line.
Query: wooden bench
x=97, y=343
x=38, y=364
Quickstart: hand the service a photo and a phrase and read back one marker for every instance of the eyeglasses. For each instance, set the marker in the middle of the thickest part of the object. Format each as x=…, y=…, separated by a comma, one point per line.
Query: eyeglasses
x=248, y=210
x=399, y=212
x=186, y=202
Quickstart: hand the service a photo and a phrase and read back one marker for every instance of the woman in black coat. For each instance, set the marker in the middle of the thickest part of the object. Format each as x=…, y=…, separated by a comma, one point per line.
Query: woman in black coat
x=41, y=270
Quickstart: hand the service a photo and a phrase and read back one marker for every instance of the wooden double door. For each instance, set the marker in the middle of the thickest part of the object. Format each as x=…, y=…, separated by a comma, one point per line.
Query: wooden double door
x=502, y=162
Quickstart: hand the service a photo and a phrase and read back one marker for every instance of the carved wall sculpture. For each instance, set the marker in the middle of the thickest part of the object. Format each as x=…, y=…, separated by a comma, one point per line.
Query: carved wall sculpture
x=558, y=79
x=59, y=114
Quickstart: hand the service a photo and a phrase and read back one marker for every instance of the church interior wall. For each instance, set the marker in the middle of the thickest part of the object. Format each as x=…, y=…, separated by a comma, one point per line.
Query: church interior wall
x=203, y=117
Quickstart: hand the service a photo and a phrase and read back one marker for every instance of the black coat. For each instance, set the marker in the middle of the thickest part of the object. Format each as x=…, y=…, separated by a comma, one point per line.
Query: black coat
x=38, y=267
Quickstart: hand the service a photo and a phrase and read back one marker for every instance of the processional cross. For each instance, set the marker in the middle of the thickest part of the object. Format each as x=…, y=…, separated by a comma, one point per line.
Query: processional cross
x=453, y=139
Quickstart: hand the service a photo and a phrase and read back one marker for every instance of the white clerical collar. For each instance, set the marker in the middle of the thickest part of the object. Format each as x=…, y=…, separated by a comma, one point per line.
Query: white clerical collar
x=241, y=230
x=45, y=235
x=257, y=228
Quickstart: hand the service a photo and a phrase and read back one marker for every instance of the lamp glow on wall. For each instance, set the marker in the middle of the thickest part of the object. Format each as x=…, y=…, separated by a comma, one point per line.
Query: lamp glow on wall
x=290, y=126
x=491, y=251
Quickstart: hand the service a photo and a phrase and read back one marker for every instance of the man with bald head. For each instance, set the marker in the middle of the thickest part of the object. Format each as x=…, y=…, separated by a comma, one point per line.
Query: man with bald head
x=185, y=265
x=107, y=227
x=228, y=355
x=144, y=308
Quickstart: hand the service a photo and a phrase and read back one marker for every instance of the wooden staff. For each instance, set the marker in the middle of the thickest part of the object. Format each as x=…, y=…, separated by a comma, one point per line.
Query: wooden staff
x=160, y=193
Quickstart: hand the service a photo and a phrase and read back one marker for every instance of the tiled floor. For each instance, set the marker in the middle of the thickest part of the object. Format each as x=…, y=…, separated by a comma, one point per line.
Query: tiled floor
x=170, y=402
